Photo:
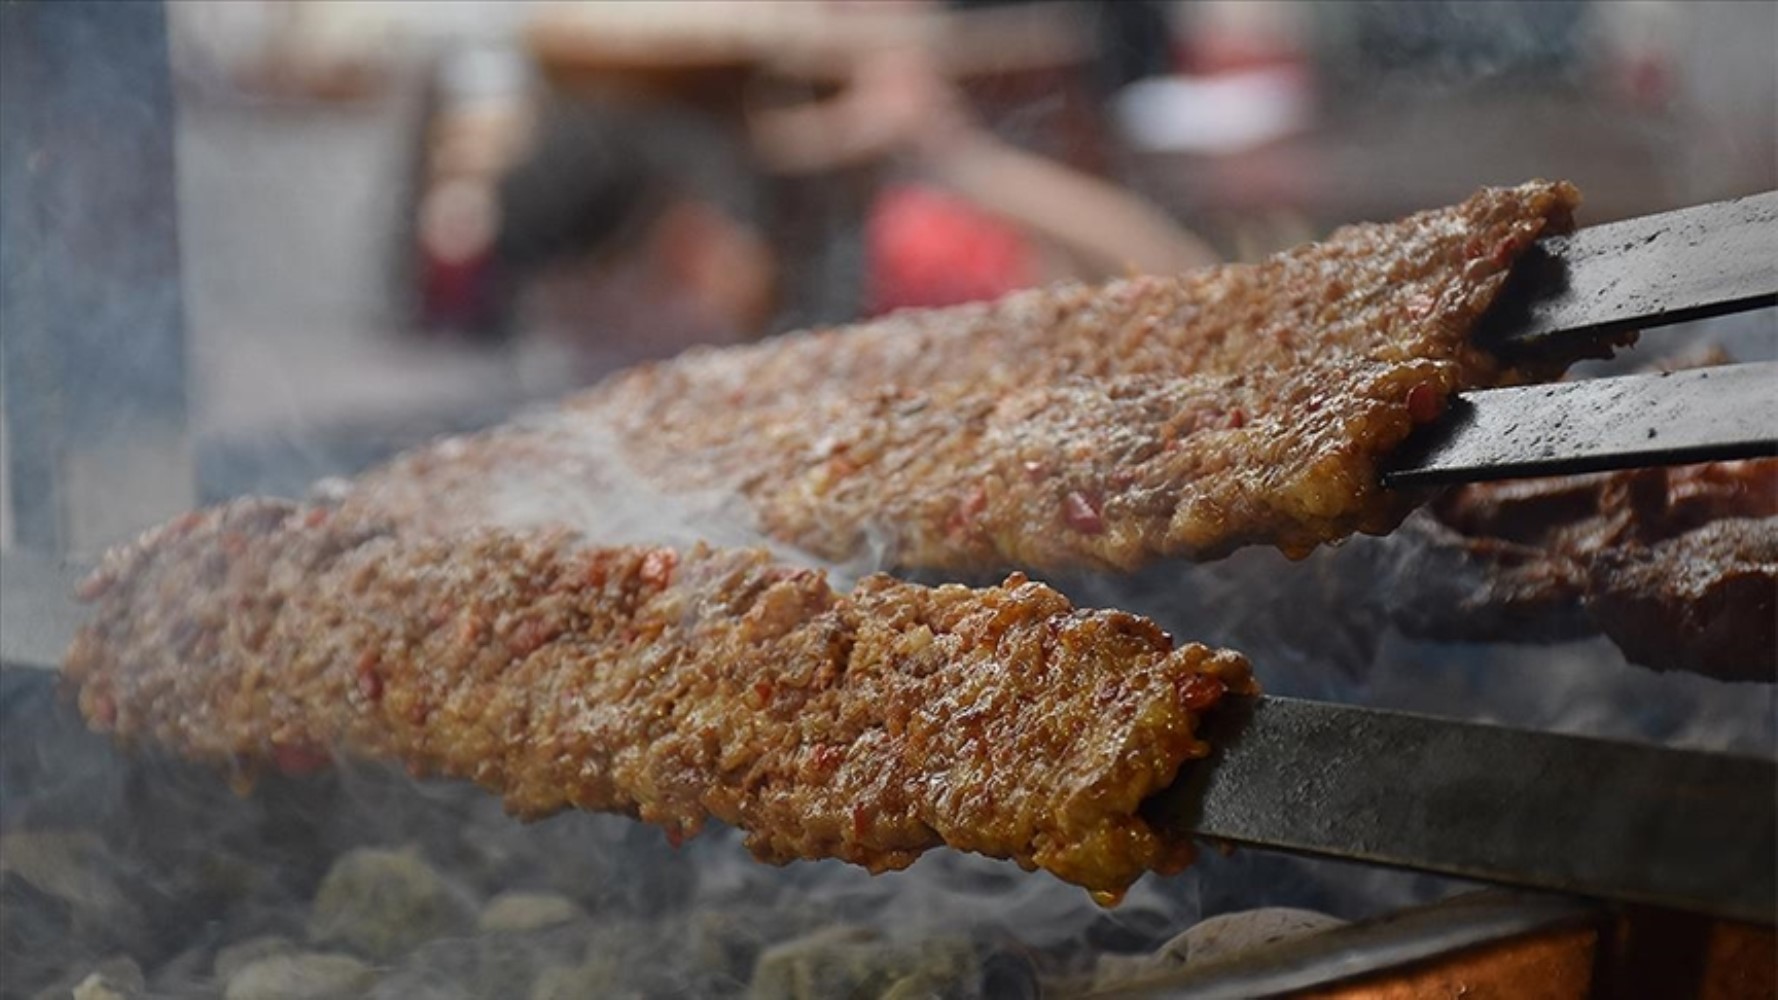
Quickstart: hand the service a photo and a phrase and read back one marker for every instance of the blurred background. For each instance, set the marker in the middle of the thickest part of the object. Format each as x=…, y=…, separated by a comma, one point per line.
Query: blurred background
x=399, y=219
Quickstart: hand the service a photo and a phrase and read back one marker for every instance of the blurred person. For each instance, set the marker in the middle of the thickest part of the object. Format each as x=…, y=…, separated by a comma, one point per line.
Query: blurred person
x=630, y=235
x=964, y=216
x=626, y=236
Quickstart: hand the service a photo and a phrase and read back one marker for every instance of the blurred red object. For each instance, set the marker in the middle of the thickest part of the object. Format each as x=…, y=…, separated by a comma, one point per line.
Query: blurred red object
x=927, y=248
x=457, y=224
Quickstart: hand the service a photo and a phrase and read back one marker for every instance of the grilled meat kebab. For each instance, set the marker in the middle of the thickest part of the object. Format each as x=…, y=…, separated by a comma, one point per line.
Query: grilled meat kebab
x=671, y=685
x=1064, y=427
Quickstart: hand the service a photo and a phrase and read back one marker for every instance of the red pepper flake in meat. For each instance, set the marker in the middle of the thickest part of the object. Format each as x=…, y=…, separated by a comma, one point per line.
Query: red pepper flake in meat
x=1237, y=419
x=529, y=637
x=763, y=690
x=596, y=572
x=826, y=757
x=370, y=683
x=968, y=509
x=1200, y=691
x=657, y=567
x=1424, y=405
x=975, y=502
x=316, y=517
x=1082, y=514
x=1505, y=251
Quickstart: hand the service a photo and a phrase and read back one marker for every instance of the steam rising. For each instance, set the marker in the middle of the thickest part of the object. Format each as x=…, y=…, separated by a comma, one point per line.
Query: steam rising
x=200, y=868
x=599, y=495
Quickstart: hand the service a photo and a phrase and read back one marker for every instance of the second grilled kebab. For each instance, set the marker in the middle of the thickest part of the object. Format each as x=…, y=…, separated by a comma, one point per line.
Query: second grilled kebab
x=1109, y=426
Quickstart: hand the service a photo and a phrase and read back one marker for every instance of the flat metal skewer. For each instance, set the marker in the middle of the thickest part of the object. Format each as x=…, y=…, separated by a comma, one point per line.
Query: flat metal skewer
x=1673, y=418
x=1591, y=285
x=1639, y=274
x=1688, y=830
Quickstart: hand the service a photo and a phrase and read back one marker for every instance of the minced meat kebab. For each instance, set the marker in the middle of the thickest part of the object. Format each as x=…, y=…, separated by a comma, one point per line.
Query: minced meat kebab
x=671, y=685
x=1072, y=426
x=465, y=609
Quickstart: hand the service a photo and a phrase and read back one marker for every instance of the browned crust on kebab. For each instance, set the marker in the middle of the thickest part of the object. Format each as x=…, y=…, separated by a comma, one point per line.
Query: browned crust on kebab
x=1185, y=416
x=1705, y=601
x=670, y=685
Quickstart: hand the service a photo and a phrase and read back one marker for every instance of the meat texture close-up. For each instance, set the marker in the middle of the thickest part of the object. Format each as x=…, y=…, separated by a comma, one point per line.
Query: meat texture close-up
x=1066, y=427
x=675, y=686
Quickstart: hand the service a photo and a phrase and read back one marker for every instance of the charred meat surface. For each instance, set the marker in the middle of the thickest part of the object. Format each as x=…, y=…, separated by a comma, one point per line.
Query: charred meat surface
x=1678, y=566
x=1073, y=426
x=672, y=685
x=1705, y=601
